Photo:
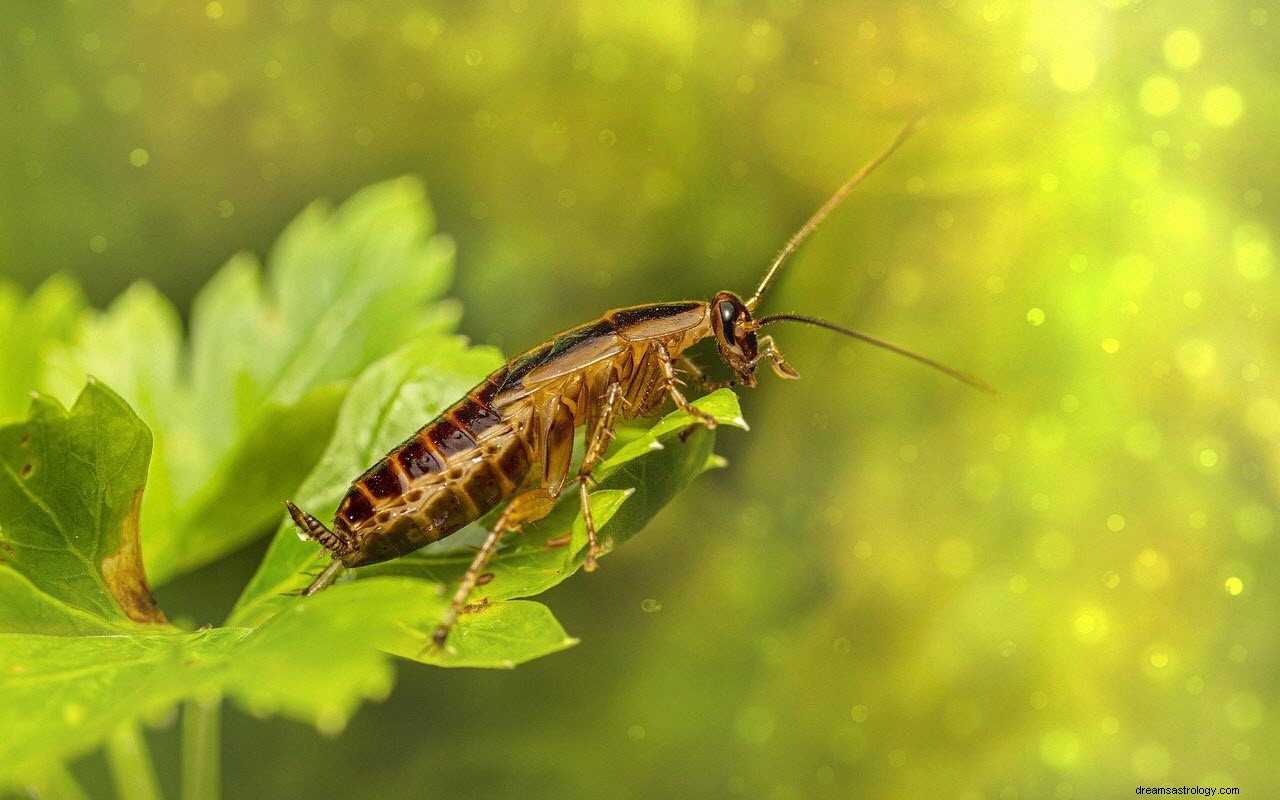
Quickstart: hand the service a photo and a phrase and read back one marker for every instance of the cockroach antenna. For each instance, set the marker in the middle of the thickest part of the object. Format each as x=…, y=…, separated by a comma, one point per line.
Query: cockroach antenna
x=822, y=213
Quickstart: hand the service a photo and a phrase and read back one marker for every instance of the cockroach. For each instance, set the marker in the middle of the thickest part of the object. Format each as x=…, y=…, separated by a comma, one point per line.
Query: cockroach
x=510, y=439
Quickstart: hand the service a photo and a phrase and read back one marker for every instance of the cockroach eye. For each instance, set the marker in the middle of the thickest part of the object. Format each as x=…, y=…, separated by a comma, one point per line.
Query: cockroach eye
x=728, y=315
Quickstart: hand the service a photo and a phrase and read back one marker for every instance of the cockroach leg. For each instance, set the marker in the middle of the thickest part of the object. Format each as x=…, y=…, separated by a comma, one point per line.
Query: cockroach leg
x=780, y=366
x=559, y=541
x=601, y=435
x=671, y=383
x=528, y=507
x=699, y=377
x=324, y=579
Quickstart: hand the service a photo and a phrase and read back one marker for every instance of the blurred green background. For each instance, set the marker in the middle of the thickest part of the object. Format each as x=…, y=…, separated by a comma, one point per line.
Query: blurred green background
x=899, y=587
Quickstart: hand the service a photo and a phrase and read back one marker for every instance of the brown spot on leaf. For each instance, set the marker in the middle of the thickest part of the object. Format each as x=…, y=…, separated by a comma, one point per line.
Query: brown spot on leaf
x=25, y=440
x=26, y=470
x=126, y=579
x=485, y=579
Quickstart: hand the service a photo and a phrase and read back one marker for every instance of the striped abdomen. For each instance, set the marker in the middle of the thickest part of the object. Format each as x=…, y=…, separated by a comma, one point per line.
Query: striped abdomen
x=448, y=474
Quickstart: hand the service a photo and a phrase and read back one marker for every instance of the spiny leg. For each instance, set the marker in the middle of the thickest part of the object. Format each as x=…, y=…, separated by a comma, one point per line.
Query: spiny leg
x=325, y=579
x=672, y=385
x=780, y=366
x=699, y=376
x=601, y=436
x=528, y=507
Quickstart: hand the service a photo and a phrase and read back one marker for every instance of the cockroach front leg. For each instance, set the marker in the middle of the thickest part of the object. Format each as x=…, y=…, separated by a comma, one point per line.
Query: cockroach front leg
x=531, y=506
x=780, y=366
x=672, y=385
x=601, y=436
x=698, y=377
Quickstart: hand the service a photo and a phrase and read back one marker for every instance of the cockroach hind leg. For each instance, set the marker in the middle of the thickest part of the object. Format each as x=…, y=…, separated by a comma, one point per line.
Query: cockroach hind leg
x=324, y=579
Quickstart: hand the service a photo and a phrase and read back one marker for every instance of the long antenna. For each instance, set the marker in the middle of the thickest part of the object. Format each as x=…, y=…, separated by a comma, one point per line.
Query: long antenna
x=963, y=377
x=822, y=213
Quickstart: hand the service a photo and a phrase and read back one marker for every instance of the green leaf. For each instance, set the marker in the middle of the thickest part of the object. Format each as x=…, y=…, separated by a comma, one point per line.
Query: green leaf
x=241, y=411
x=316, y=662
x=70, y=488
x=501, y=635
x=28, y=328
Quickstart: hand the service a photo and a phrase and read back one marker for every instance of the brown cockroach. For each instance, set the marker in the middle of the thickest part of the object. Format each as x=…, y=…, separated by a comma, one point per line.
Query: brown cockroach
x=510, y=439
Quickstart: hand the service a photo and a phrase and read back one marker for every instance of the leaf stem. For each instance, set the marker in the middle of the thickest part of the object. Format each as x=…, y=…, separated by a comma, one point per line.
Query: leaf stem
x=201, y=749
x=132, y=770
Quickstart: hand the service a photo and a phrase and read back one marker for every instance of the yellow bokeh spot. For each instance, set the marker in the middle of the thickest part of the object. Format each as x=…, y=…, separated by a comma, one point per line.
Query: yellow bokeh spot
x=1150, y=570
x=1115, y=523
x=1192, y=299
x=213, y=10
x=1073, y=70
x=1222, y=106
x=1018, y=584
x=1151, y=762
x=1159, y=96
x=1197, y=358
x=1208, y=457
x=1111, y=346
x=1036, y=316
x=210, y=87
x=1090, y=625
x=1245, y=711
x=98, y=244
x=1234, y=586
x=1159, y=659
x=1060, y=748
x=1254, y=256
x=139, y=157
x=1254, y=522
x=1182, y=49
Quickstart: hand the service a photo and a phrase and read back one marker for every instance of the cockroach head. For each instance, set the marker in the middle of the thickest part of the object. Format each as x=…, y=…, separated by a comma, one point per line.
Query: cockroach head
x=735, y=335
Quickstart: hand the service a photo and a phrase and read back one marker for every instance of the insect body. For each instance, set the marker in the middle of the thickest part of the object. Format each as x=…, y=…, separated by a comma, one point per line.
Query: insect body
x=510, y=439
